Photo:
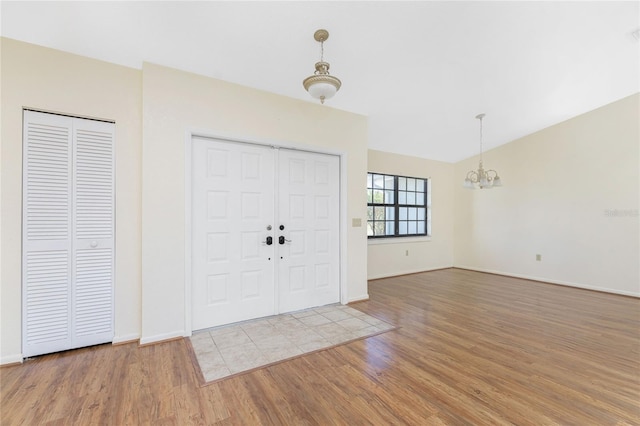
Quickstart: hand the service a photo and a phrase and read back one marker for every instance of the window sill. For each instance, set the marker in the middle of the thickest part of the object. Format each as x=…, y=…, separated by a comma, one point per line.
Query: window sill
x=398, y=240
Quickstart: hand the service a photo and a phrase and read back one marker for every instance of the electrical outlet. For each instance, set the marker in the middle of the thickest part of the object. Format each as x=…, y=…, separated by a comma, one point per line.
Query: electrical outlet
x=538, y=257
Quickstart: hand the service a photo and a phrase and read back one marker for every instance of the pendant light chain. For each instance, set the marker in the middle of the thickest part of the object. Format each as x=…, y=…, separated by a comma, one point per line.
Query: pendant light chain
x=481, y=138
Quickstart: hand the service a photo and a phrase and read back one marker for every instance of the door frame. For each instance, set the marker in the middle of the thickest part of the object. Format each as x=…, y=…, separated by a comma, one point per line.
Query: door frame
x=188, y=169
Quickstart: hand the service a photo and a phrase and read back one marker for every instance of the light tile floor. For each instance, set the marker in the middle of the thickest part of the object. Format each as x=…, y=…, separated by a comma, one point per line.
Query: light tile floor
x=231, y=349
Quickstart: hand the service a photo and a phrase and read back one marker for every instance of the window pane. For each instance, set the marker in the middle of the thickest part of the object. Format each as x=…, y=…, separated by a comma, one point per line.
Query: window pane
x=421, y=214
x=402, y=197
x=378, y=196
x=403, y=228
x=378, y=181
x=378, y=213
x=369, y=213
x=402, y=184
x=369, y=180
x=411, y=197
x=420, y=227
x=391, y=211
x=369, y=228
x=403, y=213
x=413, y=215
x=420, y=199
x=411, y=184
x=420, y=185
x=378, y=228
x=390, y=227
x=369, y=196
x=413, y=228
x=388, y=182
x=388, y=197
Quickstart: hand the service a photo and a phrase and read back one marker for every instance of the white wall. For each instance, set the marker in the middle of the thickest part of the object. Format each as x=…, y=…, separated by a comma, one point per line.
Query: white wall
x=388, y=257
x=50, y=80
x=175, y=103
x=570, y=194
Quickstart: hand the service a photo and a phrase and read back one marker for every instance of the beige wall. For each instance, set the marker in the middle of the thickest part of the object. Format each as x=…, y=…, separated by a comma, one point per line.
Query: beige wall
x=176, y=103
x=570, y=194
x=154, y=110
x=50, y=80
x=389, y=257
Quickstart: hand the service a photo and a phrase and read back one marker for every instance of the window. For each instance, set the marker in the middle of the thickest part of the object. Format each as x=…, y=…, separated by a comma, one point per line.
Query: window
x=397, y=206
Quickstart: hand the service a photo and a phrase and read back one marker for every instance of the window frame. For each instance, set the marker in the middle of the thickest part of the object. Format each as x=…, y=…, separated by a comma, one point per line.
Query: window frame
x=396, y=205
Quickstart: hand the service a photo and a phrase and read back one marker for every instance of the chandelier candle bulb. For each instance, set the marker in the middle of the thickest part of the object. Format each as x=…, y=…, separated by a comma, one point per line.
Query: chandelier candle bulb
x=485, y=179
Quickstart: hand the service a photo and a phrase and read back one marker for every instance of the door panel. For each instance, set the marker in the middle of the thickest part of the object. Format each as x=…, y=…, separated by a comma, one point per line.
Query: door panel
x=308, y=262
x=93, y=260
x=47, y=204
x=233, y=192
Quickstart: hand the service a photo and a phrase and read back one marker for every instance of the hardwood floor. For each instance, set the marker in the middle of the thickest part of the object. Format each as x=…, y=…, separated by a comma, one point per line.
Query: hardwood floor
x=473, y=349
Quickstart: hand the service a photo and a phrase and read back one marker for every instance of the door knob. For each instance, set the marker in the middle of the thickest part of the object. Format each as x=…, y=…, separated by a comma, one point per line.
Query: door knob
x=282, y=239
x=94, y=244
x=268, y=241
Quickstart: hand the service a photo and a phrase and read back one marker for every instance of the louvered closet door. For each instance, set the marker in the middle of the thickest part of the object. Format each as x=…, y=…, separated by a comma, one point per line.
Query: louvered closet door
x=93, y=242
x=68, y=239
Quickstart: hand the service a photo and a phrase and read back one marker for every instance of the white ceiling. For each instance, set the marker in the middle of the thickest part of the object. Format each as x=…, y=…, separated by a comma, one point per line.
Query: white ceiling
x=421, y=70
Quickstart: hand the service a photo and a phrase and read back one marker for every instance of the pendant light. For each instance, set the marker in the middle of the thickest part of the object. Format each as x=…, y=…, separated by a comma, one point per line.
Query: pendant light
x=321, y=85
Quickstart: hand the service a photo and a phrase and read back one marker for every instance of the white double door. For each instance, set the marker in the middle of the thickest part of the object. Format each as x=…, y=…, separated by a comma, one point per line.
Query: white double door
x=265, y=231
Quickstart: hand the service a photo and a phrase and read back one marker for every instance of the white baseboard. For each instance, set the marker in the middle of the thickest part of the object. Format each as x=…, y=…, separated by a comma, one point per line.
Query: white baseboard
x=125, y=338
x=550, y=281
x=12, y=359
x=408, y=272
x=359, y=298
x=161, y=337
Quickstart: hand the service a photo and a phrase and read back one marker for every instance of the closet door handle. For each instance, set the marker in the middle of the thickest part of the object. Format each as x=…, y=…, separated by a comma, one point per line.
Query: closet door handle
x=268, y=241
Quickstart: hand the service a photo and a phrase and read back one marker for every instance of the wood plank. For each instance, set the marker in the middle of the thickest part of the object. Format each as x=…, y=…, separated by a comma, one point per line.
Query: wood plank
x=471, y=348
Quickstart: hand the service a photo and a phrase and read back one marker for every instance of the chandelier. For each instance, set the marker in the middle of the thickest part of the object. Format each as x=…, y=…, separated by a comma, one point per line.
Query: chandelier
x=482, y=178
x=321, y=85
